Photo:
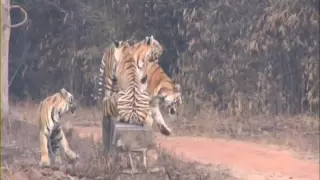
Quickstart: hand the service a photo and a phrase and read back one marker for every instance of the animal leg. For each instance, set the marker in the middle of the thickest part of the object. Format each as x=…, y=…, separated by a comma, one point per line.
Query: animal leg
x=157, y=117
x=45, y=159
x=65, y=146
x=55, y=144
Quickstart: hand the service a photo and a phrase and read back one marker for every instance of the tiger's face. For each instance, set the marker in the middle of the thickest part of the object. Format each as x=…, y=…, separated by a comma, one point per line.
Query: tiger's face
x=69, y=99
x=172, y=99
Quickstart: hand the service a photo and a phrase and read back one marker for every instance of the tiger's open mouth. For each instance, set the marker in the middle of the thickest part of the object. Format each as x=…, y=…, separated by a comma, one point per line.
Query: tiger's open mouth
x=172, y=111
x=73, y=111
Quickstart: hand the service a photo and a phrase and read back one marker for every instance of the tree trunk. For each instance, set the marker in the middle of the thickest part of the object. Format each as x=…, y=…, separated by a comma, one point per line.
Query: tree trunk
x=5, y=36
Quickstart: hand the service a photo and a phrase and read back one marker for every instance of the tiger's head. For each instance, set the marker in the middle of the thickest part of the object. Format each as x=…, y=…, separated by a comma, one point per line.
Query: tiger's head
x=121, y=48
x=156, y=48
x=148, y=50
x=69, y=100
x=171, y=98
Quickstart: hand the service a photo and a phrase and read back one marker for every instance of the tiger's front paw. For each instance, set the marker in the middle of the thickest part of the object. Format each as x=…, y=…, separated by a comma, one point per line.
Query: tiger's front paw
x=44, y=163
x=72, y=156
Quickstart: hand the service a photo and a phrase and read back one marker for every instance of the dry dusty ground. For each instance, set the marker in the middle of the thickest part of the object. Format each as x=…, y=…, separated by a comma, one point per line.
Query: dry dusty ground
x=20, y=157
x=228, y=159
x=246, y=160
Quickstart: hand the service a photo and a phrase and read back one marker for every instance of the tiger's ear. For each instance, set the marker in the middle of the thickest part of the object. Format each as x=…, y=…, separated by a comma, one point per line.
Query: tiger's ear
x=64, y=92
x=177, y=87
x=116, y=43
x=149, y=39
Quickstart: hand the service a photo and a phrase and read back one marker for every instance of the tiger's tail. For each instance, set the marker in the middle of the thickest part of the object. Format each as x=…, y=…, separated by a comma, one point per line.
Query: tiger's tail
x=101, y=85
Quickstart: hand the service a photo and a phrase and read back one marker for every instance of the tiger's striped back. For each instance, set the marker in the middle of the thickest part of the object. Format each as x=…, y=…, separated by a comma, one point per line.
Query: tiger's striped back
x=147, y=50
x=133, y=99
x=133, y=106
x=110, y=110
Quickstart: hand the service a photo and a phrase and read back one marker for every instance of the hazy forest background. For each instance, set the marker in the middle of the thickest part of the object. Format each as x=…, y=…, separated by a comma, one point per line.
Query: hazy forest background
x=240, y=57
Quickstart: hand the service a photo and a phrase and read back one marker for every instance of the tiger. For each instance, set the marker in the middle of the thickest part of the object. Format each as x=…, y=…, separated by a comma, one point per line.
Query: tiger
x=110, y=109
x=161, y=89
x=52, y=137
x=127, y=74
x=106, y=78
x=146, y=50
x=132, y=97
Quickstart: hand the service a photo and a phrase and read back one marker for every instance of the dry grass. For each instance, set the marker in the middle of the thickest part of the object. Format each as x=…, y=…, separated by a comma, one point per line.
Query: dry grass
x=301, y=132
x=20, y=154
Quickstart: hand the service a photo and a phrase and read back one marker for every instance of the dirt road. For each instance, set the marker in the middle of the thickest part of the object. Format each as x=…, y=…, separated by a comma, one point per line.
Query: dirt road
x=246, y=160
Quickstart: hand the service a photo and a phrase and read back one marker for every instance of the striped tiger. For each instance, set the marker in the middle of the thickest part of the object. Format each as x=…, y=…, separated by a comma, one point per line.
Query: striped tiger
x=146, y=50
x=119, y=69
x=106, y=80
x=110, y=109
x=52, y=138
x=132, y=98
x=161, y=89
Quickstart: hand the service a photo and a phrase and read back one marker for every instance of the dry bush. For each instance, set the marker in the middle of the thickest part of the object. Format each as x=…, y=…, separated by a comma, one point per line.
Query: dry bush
x=251, y=57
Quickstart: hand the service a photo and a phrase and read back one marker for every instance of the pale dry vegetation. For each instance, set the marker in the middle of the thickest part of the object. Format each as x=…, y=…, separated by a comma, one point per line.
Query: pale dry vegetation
x=20, y=155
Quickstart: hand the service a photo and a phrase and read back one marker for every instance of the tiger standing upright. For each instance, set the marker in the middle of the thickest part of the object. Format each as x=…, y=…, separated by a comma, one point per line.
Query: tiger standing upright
x=52, y=138
x=159, y=86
